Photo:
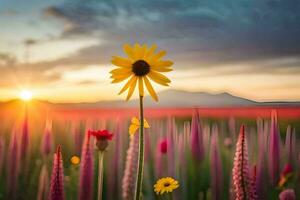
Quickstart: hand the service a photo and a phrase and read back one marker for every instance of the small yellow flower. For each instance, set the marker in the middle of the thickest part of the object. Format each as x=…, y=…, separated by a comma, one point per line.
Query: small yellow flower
x=135, y=124
x=75, y=160
x=167, y=185
x=141, y=64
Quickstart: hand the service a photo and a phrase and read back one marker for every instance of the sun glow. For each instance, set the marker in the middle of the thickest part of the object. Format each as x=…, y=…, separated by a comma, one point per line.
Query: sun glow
x=26, y=95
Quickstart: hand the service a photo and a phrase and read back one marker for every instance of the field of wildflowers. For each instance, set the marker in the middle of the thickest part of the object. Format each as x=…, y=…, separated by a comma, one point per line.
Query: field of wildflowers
x=192, y=153
x=210, y=157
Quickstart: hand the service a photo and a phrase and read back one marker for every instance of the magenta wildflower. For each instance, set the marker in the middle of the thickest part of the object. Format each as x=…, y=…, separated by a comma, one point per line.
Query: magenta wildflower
x=86, y=171
x=274, y=151
x=241, y=176
x=57, y=178
x=43, y=184
x=197, y=138
x=163, y=146
x=128, y=182
x=161, y=157
x=24, y=136
x=290, y=144
x=216, y=172
x=260, y=176
x=46, y=144
x=2, y=147
x=287, y=194
x=13, y=165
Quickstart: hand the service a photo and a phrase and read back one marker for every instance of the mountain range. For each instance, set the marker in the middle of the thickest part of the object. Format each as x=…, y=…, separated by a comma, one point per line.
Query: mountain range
x=179, y=99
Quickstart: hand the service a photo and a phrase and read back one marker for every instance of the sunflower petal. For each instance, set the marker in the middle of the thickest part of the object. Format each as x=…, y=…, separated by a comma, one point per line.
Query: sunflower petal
x=131, y=89
x=121, y=62
x=120, y=71
x=162, y=69
x=126, y=86
x=132, y=129
x=159, y=78
x=135, y=121
x=137, y=51
x=162, y=63
x=150, y=52
x=128, y=50
x=118, y=80
x=159, y=55
x=141, y=86
x=146, y=124
x=150, y=89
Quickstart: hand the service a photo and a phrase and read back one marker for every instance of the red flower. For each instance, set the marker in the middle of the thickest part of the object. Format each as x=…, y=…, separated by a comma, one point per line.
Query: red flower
x=164, y=146
x=287, y=170
x=101, y=134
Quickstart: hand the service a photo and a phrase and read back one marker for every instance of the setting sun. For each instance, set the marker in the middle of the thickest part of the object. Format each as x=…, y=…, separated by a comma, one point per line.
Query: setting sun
x=25, y=95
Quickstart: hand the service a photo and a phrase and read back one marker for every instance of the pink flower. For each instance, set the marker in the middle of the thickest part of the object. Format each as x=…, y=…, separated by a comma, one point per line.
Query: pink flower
x=197, y=138
x=128, y=182
x=243, y=184
x=274, y=150
x=86, y=171
x=57, y=178
x=287, y=194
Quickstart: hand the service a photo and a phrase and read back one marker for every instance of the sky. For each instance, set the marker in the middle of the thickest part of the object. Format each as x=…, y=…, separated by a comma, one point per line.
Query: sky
x=61, y=50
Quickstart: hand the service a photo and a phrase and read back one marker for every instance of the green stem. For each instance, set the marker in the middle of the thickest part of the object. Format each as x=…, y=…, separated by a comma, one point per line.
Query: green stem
x=100, y=175
x=170, y=196
x=139, y=180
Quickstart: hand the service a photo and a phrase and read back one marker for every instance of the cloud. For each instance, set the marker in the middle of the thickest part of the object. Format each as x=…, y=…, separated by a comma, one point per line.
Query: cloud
x=229, y=37
x=213, y=32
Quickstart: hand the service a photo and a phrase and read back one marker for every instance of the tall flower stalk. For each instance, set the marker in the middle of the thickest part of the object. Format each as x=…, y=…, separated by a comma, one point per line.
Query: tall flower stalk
x=197, y=138
x=57, y=177
x=243, y=184
x=102, y=137
x=128, y=182
x=274, y=151
x=86, y=171
x=13, y=165
x=140, y=64
x=2, y=147
x=216, y=166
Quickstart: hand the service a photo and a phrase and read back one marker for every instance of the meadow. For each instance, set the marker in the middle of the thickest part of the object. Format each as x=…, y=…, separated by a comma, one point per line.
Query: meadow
x=195, y=146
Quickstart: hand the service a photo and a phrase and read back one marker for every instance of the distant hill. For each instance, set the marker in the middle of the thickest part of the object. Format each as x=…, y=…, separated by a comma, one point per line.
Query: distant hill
x=178, y=98
x=171, y=98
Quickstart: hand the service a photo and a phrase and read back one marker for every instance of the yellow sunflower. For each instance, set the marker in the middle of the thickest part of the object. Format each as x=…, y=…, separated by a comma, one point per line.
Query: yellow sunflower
x=140, y=65
x=167, y=185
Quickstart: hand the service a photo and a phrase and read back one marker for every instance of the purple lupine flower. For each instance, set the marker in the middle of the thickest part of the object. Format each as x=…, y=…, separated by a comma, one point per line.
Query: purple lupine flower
x=160, y=157
x=290, y=144
x=171, y=132
x=197, y=138
x=2, y=147
x=86, y=171
x=24, y=136
x=57, y=178
x=115, y=165
x=43, y=184
x=274, y=152
x=261, y=166
x=128, y=182
x=287, y=194
x=46, y=144
x=241, y=176
x=13, y=165
x=216, y=172
x=77, y=137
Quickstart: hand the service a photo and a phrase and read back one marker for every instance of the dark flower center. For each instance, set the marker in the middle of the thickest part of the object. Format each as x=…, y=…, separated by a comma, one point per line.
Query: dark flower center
x=140, y=68
x=167, y=184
